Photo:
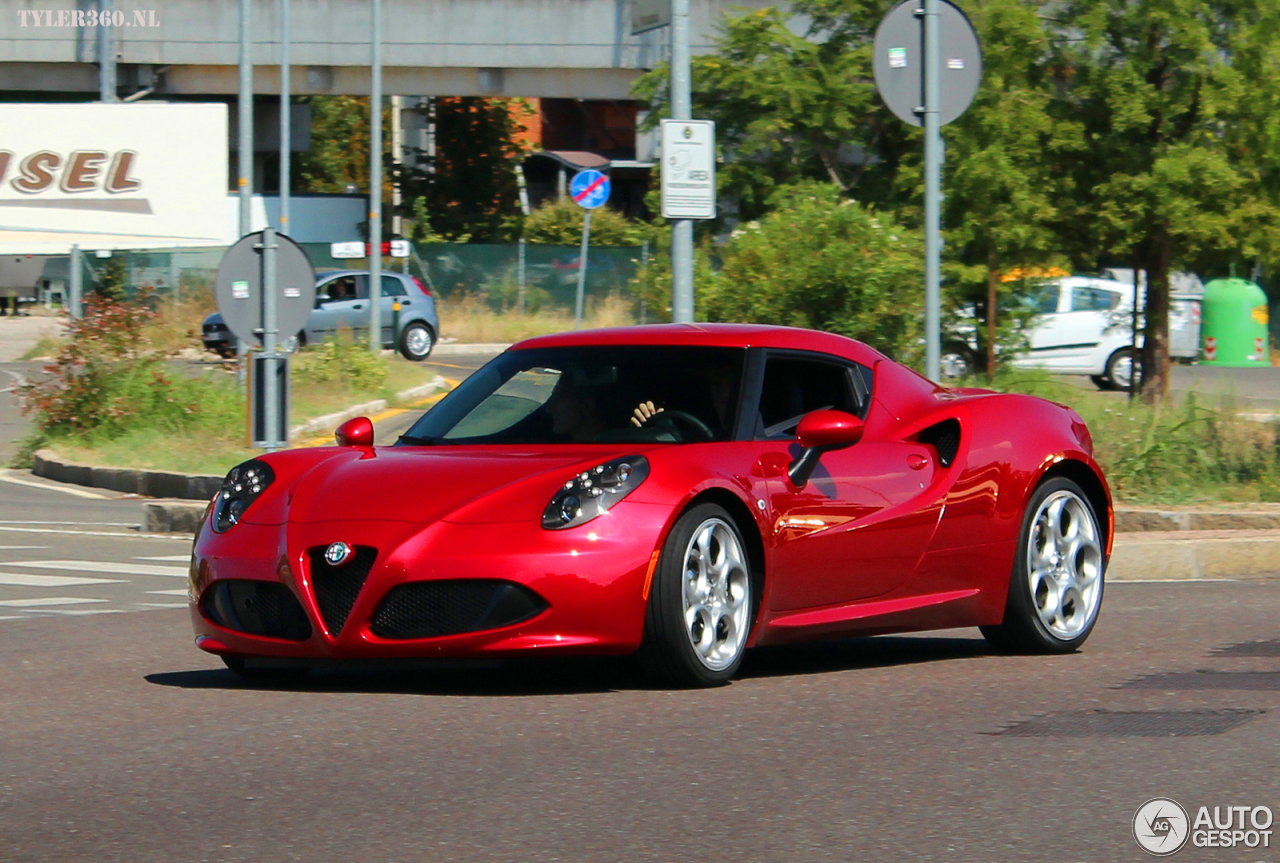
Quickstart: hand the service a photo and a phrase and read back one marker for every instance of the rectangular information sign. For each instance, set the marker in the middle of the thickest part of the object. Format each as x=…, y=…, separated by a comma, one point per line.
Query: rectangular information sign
x=688, y=169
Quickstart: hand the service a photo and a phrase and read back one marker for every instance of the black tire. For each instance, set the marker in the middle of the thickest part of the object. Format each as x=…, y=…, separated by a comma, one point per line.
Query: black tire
x=263, y=675
x=1114, y=360
x=412, y=339
x=667, y=653
x=1023, y=630
x=1101, y=382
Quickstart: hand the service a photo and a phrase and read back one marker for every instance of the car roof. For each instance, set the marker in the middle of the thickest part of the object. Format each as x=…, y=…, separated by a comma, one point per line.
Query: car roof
x=712, y=335
x=328, y=274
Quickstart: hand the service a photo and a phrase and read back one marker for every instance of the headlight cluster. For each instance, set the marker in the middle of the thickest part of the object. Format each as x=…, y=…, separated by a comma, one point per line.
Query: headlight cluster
x=241, y=487
x=592, y=492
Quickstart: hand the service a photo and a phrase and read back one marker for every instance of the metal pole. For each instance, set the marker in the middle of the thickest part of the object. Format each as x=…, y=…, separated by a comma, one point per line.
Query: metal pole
x=644, y=263
x=375, y=183
x=681, y=109
x=397, y=159
x=75, y=284
x=932, y=192
x=1133, y=337
x=107, y=53
x=523, y=185
x=244, y=153
x=286, y=121
x=270, y=330
x=582, y=271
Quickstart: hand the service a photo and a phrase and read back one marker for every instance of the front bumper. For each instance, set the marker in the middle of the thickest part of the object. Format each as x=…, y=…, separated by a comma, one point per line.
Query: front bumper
x=588, y=583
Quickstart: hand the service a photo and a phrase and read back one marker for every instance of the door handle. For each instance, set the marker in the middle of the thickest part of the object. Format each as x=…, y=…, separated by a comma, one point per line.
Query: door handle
x=915, y=461
x=359, y=307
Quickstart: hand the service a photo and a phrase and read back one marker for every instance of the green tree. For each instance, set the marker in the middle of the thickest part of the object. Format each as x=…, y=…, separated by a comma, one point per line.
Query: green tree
x=823, y=261
x=338, y=159
x=1164, y=89
x=469, y=184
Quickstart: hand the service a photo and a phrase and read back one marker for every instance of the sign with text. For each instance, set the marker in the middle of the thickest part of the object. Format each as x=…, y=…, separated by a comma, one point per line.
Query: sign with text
x=688, y=169
x=111, y=176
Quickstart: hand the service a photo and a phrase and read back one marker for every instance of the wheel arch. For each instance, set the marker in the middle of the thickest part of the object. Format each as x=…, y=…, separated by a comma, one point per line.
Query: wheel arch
x=1091, y=484
x=747, y=526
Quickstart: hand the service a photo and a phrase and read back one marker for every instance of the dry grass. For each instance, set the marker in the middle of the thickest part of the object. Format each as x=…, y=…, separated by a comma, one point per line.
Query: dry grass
x=471, y=320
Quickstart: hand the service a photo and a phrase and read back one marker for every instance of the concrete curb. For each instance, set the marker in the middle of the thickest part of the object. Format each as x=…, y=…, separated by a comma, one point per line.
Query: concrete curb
x=1205, y=554
x=172, y=516
x=150, y=483
x=1148, y=520
x=454, y=349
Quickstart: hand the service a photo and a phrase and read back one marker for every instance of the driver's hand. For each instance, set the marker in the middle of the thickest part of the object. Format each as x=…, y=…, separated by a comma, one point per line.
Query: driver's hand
x=644, y=413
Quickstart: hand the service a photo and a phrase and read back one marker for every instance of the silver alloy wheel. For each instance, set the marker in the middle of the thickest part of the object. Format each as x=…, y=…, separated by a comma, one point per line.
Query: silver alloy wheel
x=1064, y=564
x=716, y=594
x=418, y=341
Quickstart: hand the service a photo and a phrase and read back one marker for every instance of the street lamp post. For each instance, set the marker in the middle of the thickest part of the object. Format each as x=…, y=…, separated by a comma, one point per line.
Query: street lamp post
x=681, y=109
x=375, y=183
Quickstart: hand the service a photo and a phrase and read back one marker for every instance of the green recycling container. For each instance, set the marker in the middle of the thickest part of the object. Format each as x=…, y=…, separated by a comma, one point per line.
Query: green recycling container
x=1233, y=330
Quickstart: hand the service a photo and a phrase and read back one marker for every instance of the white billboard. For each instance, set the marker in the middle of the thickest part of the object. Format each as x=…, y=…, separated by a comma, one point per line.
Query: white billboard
x=140, y=176
x=688, y=181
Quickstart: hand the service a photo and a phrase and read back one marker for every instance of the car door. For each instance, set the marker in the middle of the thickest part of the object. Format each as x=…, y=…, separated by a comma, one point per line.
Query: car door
x=853, y=531
x=393, y=292
x=335, y=299
x=1048, y=330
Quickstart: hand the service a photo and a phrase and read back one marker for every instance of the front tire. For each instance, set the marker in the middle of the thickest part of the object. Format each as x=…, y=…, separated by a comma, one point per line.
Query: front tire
x=701, y=602
x=1120, y=369
x=416, y=341
x=1055, y=590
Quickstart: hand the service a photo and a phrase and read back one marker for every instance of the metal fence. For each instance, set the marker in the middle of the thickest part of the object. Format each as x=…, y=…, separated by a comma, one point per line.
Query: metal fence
x=451, y=270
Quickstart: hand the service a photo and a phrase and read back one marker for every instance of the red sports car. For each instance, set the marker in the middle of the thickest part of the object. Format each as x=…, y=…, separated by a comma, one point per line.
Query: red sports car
x=684, y=491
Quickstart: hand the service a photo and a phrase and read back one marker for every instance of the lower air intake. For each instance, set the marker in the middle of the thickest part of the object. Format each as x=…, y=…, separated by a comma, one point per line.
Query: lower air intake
x=426, y=609
x=256, y=607
x=336, y=587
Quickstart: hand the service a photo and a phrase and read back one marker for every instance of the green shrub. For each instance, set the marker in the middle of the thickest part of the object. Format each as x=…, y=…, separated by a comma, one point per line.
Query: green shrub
x=343, y=362
x=559, y=223
x=106, y=381
x=822, y=261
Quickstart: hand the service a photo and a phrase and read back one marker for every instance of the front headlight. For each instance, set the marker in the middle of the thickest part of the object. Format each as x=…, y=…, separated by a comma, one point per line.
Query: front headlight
x=592, y=492
x=241, y=487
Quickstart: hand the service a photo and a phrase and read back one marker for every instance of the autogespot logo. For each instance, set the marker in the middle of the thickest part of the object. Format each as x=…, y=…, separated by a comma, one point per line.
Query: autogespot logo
x=1160, y=826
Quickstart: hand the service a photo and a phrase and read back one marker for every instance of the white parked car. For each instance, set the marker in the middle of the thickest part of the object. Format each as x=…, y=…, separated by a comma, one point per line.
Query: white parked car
x=1083, y=326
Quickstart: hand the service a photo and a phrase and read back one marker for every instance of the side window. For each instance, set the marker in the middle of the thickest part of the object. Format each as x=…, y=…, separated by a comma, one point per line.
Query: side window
x=339, y=289
x=362, y=287
x=1085, y=299
x=794, y=387
x=392, y=287
x=1044, y=300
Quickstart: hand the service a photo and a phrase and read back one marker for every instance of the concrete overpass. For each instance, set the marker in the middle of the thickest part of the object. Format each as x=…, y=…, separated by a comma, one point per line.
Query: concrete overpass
x=581, y=49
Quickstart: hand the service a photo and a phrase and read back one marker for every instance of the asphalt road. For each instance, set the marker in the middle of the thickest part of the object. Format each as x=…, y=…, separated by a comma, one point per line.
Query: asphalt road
x=120, y=741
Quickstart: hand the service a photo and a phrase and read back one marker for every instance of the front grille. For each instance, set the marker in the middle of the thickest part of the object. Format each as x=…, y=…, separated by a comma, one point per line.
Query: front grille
x=336, y=587
x=256, y=607
x=426, y=609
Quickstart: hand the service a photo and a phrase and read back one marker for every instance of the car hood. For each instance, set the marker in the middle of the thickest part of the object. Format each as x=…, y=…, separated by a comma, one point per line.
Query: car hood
x=425, y=484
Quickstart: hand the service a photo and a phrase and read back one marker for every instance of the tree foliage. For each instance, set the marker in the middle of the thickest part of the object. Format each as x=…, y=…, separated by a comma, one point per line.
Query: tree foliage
x=559, y=223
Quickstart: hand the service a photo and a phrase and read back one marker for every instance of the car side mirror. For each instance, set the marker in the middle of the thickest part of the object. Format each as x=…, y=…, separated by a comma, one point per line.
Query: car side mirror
x=819, y=432
x=321, y=299
x=355, y=432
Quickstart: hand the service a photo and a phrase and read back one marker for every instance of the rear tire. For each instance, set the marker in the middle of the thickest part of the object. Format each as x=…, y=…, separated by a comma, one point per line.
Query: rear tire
x=416, y=341
x=1101, y=382
x=701, y=602
x=1055, y=590
x=263, y=675
x=1120, y=366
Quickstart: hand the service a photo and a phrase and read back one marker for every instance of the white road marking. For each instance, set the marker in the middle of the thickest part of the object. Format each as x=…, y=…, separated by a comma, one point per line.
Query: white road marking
x=162, y=604
x=21, y=547
x=178, y=536
x=24, y=579
x=77, y=612
x=47, y=600
x=182, y=591
x=102, y=566
x=6, y=476
x=90, y=523
x=181, y=558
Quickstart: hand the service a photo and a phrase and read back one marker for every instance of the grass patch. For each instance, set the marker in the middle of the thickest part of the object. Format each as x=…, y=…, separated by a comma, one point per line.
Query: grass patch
x=46, y=348
x=1169, y=453
x=472, y=320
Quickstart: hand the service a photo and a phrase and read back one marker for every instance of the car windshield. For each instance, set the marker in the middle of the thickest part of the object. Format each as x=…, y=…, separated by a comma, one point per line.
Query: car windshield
x=592, y=394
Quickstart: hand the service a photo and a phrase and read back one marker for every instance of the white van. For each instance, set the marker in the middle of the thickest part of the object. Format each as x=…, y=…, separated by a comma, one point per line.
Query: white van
x=1083, y=326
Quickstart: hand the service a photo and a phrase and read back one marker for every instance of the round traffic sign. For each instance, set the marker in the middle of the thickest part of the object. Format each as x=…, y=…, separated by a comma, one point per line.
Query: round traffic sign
x=239, y=288
x=590, y=189
x=899, y=62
